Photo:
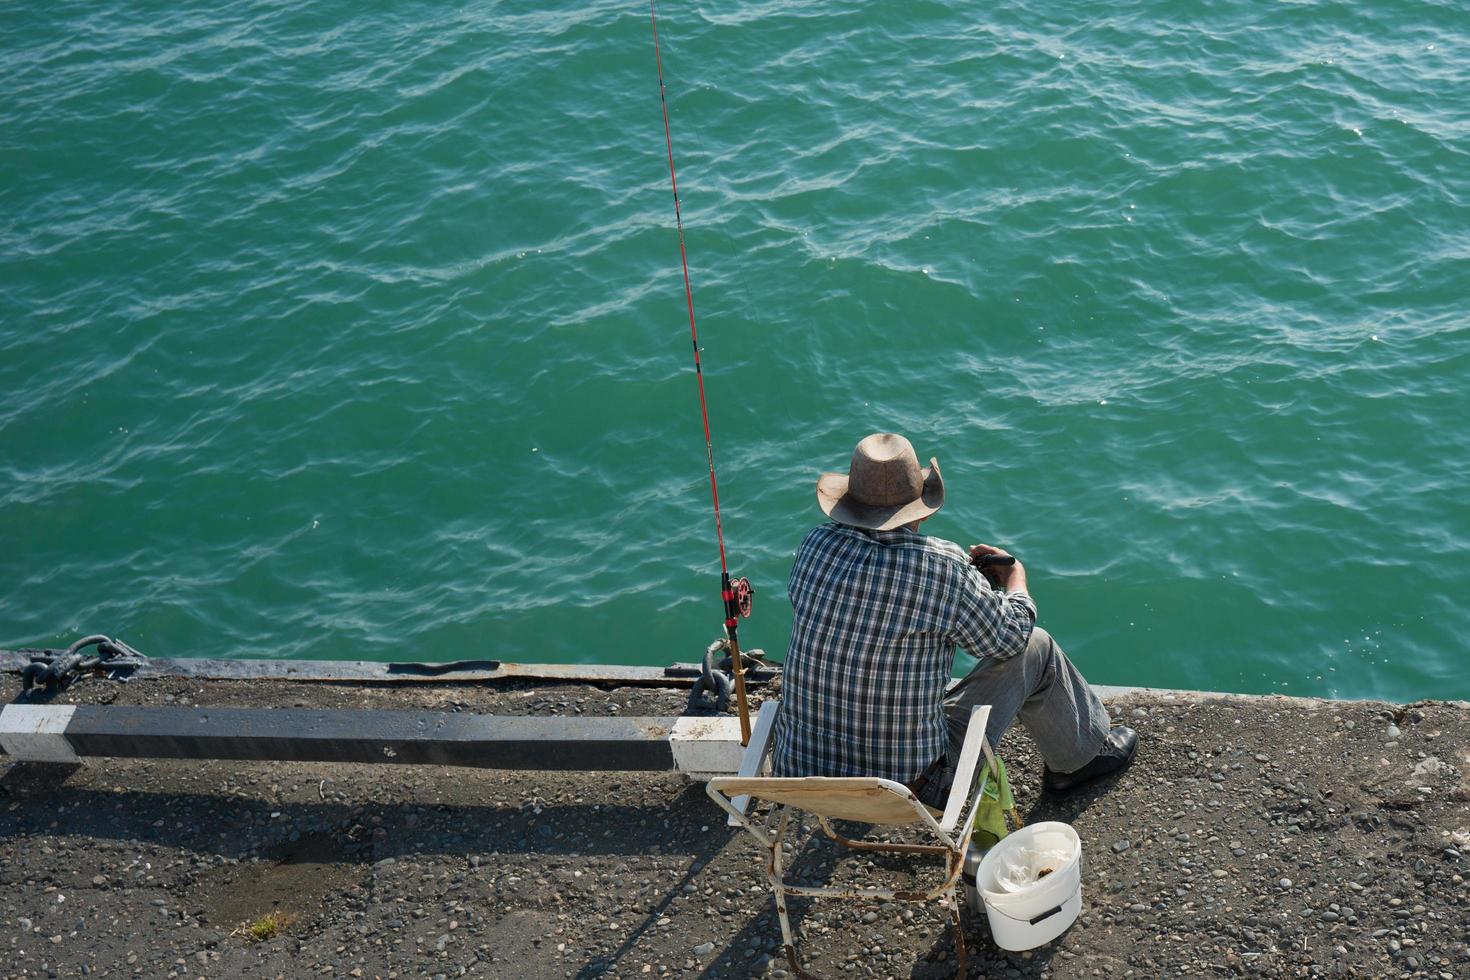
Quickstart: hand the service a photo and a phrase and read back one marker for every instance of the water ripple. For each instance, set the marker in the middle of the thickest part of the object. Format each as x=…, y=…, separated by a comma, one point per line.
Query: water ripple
x=331, y=333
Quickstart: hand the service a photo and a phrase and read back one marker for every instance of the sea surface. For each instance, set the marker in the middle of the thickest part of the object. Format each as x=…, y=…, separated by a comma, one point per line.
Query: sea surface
x=345, y=331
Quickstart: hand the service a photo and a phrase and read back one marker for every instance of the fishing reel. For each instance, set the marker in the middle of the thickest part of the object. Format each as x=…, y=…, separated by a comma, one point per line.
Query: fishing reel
x=744, y=596
x=739, y=596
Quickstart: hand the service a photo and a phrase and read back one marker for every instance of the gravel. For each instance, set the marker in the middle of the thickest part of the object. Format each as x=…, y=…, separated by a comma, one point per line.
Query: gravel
x=1335, y=863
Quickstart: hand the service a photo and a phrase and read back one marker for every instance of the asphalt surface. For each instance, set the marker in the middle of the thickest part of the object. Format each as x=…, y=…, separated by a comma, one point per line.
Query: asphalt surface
x=1259, y=837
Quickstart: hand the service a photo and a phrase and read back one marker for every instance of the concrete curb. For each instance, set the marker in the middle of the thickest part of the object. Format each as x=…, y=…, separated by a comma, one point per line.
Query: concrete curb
x=69, y=733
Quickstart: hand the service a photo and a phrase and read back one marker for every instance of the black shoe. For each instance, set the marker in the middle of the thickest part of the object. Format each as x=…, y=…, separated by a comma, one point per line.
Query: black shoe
x=1117, y=752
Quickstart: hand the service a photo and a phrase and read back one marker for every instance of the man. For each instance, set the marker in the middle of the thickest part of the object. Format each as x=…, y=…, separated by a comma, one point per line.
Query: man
x=878, y=612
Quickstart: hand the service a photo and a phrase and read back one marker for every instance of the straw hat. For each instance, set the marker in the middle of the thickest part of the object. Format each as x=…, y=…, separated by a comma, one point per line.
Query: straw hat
x=883, y=488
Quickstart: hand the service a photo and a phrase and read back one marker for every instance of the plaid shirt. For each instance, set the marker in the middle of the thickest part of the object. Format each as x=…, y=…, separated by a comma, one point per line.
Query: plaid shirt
x=877, y=617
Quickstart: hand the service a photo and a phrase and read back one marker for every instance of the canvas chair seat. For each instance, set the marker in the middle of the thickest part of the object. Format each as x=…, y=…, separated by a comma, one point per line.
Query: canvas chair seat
x=874, y=801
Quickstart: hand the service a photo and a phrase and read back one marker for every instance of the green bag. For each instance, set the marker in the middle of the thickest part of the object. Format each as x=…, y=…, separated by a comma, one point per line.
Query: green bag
x=989, y=820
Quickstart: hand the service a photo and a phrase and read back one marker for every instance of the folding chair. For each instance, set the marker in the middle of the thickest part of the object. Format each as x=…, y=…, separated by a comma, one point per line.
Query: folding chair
x=870, y=800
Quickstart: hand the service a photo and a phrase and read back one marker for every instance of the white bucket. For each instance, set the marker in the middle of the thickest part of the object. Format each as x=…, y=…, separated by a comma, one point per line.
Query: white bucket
x=1028, y=915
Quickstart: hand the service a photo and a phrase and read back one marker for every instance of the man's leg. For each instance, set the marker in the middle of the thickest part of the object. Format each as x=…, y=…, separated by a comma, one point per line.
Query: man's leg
x=1060, y=711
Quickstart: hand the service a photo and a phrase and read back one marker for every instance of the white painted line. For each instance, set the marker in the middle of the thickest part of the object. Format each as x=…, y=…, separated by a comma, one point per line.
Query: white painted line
x=37, y=732
x=706, y=745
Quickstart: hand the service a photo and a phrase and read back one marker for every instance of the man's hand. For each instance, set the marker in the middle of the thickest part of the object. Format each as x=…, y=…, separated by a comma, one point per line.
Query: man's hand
x=1012, y=578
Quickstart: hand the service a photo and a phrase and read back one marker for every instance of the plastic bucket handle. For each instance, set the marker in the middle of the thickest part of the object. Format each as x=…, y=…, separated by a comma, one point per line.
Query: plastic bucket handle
x=1037, y=918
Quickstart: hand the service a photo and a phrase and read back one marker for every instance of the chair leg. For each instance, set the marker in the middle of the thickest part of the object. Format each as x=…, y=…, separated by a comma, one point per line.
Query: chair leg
x=778, y=889
x=959, y=932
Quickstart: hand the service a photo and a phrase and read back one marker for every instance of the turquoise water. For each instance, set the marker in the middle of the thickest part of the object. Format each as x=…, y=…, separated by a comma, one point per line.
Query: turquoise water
x=345, y=332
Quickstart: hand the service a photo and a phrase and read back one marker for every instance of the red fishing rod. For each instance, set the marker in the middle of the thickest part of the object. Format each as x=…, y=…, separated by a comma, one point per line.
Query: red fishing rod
x=736, y=595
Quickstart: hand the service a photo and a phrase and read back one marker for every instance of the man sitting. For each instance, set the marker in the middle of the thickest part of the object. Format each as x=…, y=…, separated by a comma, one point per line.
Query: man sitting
x=878, y=612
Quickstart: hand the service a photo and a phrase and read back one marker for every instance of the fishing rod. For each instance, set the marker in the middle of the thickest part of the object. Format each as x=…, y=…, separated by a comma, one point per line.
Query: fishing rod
x=736, y=595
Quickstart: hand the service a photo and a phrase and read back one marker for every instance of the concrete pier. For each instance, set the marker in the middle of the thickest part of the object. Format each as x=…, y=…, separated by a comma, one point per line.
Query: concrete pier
x=1254, y=836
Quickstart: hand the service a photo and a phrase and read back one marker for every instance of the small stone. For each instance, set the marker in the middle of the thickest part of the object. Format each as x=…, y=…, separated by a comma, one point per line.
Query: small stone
x=1139, y=712
x=703, y=949
x=870, y=917
x=1119, y=846
x=1138, y=907
x=1329, y=916
x=1284, y=883
x=1392, y=733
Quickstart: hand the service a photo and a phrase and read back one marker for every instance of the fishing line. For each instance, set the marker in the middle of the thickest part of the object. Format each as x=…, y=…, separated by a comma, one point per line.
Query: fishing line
x=736, y=595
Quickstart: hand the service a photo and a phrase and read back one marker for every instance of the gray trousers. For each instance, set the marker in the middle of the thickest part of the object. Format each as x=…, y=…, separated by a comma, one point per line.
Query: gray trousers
x=1064, y=718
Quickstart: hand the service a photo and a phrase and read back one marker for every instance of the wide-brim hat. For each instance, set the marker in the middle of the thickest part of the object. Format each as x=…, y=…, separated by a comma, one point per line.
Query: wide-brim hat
x=884, y=486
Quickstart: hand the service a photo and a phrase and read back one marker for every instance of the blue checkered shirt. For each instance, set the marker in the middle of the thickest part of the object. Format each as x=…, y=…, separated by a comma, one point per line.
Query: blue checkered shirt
x=877, y=618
